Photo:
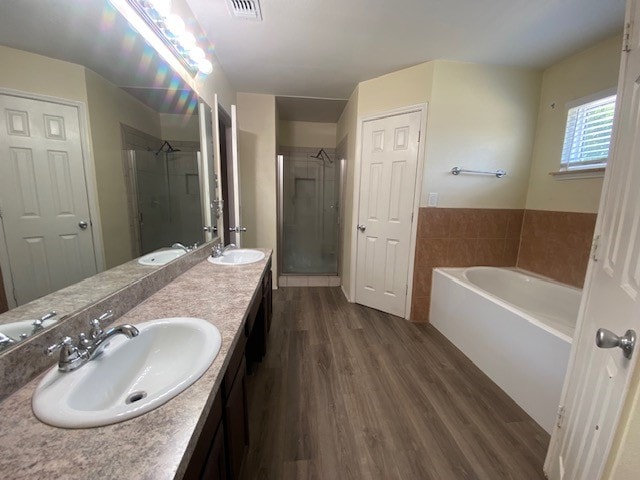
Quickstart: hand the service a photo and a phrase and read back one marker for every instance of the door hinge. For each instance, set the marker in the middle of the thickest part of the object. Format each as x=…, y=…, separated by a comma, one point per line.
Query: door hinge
x=594, y=247
x=1, y=212
x=406, y=289
x=626, y=38
x=419, y=135
x=561, y=412
x=412, y=217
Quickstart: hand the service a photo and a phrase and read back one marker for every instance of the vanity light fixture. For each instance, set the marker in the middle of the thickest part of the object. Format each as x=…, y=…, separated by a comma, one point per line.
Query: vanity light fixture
x=171, y=29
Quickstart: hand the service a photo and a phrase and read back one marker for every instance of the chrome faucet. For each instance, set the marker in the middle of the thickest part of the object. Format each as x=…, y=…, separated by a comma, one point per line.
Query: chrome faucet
x=231, y=246
x=73, y=356
x=179, y=245
x=37, y=324
x=5, y=341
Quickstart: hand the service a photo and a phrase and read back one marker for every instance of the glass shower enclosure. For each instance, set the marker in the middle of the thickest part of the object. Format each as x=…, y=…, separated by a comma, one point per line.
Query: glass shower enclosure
x=166, y=198
x=309, y=211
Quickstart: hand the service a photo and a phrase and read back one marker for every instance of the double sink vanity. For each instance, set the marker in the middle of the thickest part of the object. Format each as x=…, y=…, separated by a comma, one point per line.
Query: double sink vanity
x=158, y=394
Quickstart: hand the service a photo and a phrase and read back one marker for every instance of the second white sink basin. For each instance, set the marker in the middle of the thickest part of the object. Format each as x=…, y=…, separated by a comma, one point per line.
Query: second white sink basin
x=131, y=376
x=161, y=257
x=239, y=256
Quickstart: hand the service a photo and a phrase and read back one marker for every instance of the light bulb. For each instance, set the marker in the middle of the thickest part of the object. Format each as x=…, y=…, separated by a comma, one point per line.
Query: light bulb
x=205, y=66
x=175, y=25
x=187, y=41
x=163, y=7
x=197, y=54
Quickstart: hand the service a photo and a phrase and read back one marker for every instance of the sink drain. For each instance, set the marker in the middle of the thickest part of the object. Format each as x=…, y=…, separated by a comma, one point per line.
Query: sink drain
x=134, y=397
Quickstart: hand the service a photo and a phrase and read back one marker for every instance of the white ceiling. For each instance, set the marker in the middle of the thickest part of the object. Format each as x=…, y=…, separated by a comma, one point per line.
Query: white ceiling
x=323, y=48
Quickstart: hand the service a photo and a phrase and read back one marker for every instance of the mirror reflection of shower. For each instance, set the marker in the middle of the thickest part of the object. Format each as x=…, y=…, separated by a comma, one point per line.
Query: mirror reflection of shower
x=166, y=188
x=310, y=194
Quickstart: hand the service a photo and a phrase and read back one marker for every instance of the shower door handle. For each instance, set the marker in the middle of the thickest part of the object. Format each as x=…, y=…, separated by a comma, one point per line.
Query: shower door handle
x=362, y=228
x=238, y=229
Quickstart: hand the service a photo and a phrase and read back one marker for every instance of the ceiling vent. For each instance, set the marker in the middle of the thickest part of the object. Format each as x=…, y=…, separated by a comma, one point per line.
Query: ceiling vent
x=245, y=9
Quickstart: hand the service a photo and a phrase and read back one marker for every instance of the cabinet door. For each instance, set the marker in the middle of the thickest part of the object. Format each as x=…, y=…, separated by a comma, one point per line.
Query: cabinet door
x=236, y=422
x=216, y=466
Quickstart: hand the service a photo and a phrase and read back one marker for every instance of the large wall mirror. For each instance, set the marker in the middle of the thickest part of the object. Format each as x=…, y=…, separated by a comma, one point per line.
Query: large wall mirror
x=100, y=160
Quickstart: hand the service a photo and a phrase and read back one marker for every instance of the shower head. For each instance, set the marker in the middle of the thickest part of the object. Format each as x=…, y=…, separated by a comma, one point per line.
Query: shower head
x=169, y=148
x=322, y=155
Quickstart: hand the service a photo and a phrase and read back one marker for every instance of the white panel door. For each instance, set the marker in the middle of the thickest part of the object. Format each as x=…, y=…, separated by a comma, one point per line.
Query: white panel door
x=598, y=379
x=43, y=195
x=235, y=215
x=387, y=186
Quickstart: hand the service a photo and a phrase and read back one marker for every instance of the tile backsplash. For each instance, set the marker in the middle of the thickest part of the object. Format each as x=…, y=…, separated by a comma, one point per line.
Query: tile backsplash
x=554, y=244
x=557, y=244
x=461, y=237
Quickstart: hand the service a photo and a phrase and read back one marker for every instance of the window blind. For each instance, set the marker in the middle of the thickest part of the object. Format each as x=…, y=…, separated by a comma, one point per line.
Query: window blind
x=588, y=134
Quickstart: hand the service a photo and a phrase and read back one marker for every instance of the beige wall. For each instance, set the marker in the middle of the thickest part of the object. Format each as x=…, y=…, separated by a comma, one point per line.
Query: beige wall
x=306, y=134
x=588, y=72
x=410, y=86
x=257, y=156
x=185, y=128
x=480, y=117
x=346, y=131
x=33, y=73
x=109, y=106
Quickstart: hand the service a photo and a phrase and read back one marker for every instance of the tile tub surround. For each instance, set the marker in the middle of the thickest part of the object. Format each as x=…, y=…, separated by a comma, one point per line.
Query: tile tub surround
x=461, y=237
x=549, y=243
x=118, y=289
x=157, y=445
x=557, y=244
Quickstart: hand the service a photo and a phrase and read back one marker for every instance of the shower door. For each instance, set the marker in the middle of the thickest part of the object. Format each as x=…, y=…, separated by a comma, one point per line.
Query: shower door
x=167, y=206
x=309, y=194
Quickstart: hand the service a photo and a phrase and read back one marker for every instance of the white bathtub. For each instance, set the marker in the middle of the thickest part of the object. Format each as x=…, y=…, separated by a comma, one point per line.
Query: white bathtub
x=515, y=326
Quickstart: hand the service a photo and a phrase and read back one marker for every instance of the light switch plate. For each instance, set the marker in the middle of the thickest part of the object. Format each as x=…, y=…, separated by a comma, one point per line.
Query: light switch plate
x=433, y=199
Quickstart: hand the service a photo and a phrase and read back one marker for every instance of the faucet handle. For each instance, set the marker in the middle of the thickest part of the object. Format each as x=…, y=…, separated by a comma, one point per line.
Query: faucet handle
x=65, y=343
x=96, y=328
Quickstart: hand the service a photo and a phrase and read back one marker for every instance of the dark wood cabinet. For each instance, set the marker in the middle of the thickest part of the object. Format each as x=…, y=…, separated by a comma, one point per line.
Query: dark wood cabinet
x=261, y=324
x=224, y=441
x=208, y=459
x=236, y=421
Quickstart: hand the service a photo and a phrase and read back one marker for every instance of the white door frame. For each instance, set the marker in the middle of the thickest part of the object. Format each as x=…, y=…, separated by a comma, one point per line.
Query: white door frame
x=90, y=178
x=422, y=108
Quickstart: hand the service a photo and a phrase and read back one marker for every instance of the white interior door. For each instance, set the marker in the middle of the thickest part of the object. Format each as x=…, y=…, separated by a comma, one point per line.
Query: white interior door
x=43, y=198
x=387, y=187
x=235, y=214
x=597, y=380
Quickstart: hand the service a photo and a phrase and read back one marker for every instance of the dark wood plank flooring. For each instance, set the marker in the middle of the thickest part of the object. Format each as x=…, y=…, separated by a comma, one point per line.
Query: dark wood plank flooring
x=348, y=392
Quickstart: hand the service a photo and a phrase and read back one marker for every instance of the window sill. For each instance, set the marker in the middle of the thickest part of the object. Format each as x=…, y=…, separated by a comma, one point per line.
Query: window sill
x=578, y=174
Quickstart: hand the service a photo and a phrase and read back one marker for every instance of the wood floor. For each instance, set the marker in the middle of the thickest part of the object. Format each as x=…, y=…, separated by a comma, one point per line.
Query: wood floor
x=349, y=392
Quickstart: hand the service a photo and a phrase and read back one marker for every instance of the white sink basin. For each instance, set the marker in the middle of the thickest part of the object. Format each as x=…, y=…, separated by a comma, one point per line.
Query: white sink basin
x=239, y=256
x=131, y=376
x=24, y=327
x=161, y=257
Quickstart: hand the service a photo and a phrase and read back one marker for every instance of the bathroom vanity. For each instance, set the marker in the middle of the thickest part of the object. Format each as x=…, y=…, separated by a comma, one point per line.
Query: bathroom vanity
x=201, y=433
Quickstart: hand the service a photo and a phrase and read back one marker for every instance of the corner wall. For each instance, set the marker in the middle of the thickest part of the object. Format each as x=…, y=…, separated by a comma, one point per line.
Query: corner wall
x=586, y=73
x=257, y=158
x=346, y=138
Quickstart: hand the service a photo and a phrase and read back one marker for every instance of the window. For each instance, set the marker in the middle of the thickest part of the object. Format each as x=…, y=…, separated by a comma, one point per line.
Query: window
x=588, y=133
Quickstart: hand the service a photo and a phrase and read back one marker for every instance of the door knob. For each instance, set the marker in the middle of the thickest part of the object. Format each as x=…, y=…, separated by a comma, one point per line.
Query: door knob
x=83, y=225
x=608, y=339
x=362, y=228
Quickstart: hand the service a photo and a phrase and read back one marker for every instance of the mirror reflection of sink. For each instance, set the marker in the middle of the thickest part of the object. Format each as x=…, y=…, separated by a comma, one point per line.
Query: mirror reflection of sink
x=24, y=327
x=131, y=376
x=238, y=256
x=161, y=257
